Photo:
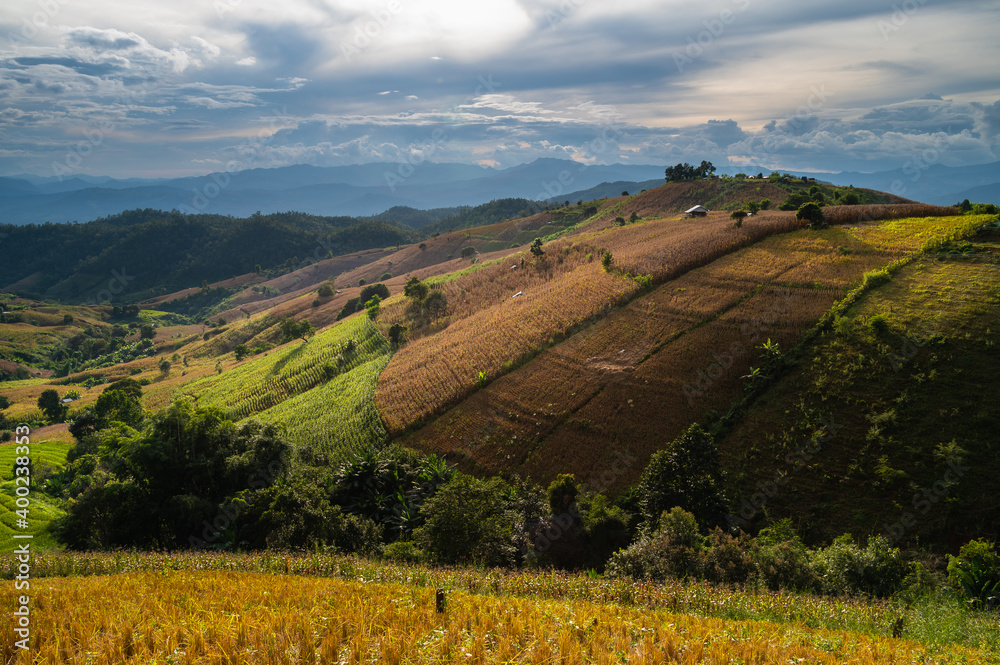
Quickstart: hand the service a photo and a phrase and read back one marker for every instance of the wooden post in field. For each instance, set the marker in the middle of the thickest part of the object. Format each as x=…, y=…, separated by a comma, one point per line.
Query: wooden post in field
x=440, y=600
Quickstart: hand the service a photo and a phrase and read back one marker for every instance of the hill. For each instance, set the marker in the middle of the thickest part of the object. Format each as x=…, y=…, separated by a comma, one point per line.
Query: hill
x=145, y=252
x=569, y=341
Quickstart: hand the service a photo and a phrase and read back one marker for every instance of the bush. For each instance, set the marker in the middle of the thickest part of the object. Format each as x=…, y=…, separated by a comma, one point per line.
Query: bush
x=384, y=276
x=325, y=291
x=468, y=521
x=380, y=290
x=670, y=552
x=727, y=558
x=468, y=251
x=976, y=572
x=686, y=473
x=846, y=568
x=812, y=213
x=403, y=551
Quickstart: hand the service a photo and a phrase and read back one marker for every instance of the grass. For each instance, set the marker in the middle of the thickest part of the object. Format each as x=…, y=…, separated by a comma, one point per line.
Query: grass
x=42, y=509
x=265, y=381
x=902, y=371
x=201, y=607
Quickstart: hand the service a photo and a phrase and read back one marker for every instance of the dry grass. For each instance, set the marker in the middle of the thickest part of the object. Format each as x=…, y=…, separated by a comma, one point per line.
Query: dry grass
x=857, y=214
x=225, y=617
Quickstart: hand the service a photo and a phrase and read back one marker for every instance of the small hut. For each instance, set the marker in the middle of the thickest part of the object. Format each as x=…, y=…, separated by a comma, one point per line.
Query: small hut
x=697, y=211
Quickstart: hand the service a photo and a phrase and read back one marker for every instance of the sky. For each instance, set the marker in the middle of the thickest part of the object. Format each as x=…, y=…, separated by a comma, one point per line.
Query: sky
x=166, y=89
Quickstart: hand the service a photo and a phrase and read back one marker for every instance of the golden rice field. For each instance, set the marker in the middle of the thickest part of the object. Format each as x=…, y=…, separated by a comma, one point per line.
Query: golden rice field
x=183, y=616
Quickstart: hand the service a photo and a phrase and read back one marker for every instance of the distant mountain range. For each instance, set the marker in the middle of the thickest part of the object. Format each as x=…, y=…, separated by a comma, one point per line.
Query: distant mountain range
x=369, y=189
x=365, y=189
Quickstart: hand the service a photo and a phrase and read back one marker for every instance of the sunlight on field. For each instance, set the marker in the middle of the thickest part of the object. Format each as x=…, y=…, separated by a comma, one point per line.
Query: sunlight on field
x=202, y=617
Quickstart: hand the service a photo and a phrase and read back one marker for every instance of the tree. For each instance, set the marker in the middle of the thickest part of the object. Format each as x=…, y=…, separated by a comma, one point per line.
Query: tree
x=130, y=387
x=765, y=204
x=52, y=406
x=415, y=290
x=739, y=216
x=325, y=291
x=687, y=473
x=423, y=246
x=468, y=251
x=117, y=406
x=562, y=494
x=435, y=304
x=753, y=207
x=620, y=221
x=396, y=333
x=536, y=247
x=384, y=276
x=468, y=521
x=634, y=217
x=850, y=199
x=165, y=366
x=67, y=319
x=4, y=402
x=812, y=213
x=965, y=206
x=241, y=351
x=380, y=290
x=372, y=307
x=147, y=331
x=607, y=260
x=172, y=484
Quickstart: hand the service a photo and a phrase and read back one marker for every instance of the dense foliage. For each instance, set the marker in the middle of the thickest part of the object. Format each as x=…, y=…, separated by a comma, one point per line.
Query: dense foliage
x=146, y=252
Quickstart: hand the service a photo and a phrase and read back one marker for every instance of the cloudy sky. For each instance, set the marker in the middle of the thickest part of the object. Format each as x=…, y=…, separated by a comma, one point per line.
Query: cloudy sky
x=152, y=89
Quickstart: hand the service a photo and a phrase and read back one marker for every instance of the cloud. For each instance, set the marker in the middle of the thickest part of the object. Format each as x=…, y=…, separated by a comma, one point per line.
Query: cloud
x=506, y=81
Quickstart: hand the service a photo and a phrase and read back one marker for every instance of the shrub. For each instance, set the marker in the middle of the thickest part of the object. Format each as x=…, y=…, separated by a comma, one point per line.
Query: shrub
x=976, y=572
x=727, y=558
x=380, y=290
x=468, y=251
x=672, y=551
x=384, y=276
x=325, y=291
x=846, y=568
x=403, y=551
x=879, y=324
x=468, y=521
x=812, y=213
x=687, y=473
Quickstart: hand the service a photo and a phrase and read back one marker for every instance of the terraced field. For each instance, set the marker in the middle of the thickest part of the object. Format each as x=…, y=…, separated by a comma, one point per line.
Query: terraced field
x=622, y=388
